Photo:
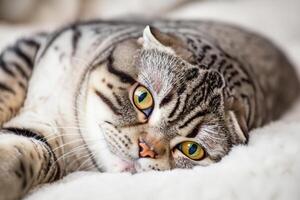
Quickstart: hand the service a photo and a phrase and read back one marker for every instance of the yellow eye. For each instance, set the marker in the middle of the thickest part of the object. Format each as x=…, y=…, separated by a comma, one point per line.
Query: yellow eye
x=192, y=150
x=142, y=98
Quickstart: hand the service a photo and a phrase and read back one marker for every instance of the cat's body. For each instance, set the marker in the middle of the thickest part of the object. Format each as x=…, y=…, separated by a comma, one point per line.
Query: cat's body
x=209, y=83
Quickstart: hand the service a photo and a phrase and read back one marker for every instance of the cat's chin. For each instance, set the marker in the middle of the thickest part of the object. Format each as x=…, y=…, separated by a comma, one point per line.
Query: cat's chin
x=120, y=165
x=129, y=166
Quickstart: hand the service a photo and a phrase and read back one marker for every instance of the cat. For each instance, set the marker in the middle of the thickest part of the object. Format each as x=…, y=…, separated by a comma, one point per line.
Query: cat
x=113, y=96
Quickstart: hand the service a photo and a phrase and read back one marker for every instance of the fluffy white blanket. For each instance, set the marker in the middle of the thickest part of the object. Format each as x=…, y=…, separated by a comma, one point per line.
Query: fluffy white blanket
x=267, y=168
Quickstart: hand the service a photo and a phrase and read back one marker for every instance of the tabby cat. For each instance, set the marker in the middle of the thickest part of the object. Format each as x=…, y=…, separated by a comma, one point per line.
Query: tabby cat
x=134, y=96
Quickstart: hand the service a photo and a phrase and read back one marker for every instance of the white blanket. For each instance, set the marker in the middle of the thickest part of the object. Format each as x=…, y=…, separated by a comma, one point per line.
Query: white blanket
x=267, y=168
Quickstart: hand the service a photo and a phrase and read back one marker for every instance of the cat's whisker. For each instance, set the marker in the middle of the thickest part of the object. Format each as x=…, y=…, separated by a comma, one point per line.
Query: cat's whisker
x=91, y=156
x=69, y=127
x=78, y=140
x=53, y=137
x=79, y=159
x=73, y=121
x=86, y=161
x=72, y=152
x=68, y=154
x=92, y=167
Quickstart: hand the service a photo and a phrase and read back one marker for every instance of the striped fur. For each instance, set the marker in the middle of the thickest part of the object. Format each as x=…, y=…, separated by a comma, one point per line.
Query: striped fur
x=66, y=97
x=16, y=65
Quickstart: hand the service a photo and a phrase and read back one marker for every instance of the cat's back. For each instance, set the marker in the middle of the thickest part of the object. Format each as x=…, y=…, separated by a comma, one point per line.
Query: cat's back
x=266, y=63
x=253, y=59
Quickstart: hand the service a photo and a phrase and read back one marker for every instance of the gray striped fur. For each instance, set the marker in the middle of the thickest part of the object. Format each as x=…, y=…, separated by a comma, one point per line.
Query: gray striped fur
x=66, y=97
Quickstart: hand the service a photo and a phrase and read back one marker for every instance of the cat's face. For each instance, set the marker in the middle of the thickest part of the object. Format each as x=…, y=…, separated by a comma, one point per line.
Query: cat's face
x=148, y=108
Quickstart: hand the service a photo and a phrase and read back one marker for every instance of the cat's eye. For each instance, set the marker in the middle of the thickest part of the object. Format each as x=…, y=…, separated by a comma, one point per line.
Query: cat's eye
x=191, y=149
x=143, y=99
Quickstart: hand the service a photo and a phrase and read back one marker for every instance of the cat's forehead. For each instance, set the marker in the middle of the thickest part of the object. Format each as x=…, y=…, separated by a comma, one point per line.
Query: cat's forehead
x=158, y=70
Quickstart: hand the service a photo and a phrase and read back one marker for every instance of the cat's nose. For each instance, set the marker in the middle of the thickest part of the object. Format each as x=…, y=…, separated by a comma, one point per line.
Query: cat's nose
x=150, y=148
x=145, y=150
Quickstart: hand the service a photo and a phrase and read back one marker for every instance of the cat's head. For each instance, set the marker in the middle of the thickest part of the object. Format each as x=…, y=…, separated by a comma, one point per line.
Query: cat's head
x=148, y=108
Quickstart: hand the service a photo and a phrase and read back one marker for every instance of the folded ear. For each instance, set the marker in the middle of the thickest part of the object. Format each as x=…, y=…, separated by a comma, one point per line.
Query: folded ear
x=238, y=127
x=153, y=38
x=237, y=120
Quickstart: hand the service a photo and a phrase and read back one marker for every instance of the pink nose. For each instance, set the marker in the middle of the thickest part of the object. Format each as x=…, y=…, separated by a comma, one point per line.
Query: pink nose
x=145, y=150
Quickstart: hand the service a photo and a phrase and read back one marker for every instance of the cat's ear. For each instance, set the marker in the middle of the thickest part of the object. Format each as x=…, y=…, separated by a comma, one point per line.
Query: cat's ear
x=153, y=38
x=238, y=127
x=237, y=120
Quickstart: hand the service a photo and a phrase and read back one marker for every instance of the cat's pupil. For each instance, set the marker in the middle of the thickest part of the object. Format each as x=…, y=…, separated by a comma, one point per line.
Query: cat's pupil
x=142, y=96
x=192, y=149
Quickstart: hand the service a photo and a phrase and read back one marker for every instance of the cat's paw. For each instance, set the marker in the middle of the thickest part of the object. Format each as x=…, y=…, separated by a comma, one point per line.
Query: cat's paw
x=11, y=171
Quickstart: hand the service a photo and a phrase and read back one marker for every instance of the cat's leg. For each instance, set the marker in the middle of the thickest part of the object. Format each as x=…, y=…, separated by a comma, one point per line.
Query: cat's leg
x=26, y=160
x=16, y=66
